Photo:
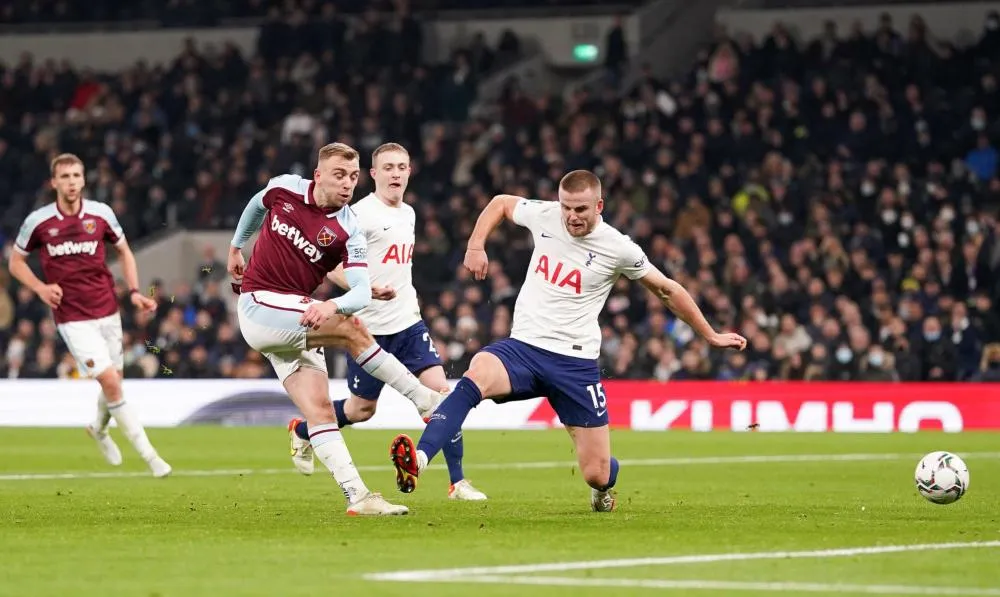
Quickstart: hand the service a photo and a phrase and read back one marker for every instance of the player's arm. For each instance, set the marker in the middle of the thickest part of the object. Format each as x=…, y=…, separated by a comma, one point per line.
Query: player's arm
x=115, y=235
x=250, y=222
x=51, y=294
x=354, y=267
x=501, y=207
x=379, y=293
x=679, y=301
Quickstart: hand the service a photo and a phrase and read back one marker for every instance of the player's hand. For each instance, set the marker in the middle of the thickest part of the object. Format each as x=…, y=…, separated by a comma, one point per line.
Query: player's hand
x=236, y=266
x=728, y=340
x=51, y=295
x=477, y=262
x=318, y=313
x=383, y=293
x=143, y=303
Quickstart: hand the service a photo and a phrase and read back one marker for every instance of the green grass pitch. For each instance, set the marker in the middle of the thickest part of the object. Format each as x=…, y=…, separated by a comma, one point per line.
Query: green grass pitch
x=268, y=531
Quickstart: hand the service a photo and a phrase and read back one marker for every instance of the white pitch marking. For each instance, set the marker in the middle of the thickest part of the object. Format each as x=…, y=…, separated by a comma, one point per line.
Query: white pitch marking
x=493, y=466
x=722, y=585
x=456, y=573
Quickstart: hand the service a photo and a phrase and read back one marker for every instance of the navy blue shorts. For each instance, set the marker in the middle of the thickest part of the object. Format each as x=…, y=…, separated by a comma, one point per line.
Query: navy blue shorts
x=571, y=384
x=414, y=347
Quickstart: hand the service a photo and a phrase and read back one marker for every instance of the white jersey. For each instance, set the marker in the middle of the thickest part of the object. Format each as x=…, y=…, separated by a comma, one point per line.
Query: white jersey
x=390, y=234
x=569, y=280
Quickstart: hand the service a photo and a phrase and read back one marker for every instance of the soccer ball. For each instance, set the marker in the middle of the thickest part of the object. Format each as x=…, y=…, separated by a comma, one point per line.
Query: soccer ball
x=942, y=477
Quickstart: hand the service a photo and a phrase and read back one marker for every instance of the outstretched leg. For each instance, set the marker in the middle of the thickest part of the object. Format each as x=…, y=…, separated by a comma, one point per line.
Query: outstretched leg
x=486, y=378
x=597, y=466
x=347, y=331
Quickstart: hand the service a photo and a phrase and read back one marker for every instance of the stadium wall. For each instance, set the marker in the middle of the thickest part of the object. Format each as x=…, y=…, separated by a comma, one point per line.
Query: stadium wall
x=121, y=49
x=637, y=405
x=961, y=22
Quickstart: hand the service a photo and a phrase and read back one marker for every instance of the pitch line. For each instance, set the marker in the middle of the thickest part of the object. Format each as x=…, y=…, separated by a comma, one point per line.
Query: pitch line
x=721, y=585
x=493, y=466
x=461, y=574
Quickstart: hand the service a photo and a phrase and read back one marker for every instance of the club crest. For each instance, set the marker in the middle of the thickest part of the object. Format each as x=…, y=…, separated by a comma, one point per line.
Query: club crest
x=90, y=225
x=53, y=231
x=326, y=237
x=288, y=208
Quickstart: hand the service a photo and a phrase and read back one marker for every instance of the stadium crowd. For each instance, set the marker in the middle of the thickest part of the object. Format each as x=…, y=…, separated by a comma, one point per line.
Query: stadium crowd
x=836, y=200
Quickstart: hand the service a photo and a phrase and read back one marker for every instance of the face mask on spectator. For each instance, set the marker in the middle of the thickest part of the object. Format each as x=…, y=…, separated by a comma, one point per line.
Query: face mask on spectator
x=785, y=218
x=906, y=222
x=932, y=336
x=844, y=355
x=992, y=24
x=972, y=228
x=978, y=124
x=903, y=188
x=948, y=214
x=867, y=188
x=889, y=216
x=876, y=359
x=649, y=179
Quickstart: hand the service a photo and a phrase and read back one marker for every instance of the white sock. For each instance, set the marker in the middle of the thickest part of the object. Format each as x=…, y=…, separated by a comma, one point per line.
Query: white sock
x=422, y=460
x=103, y=414
x=386, y=368
x=329, y=445
x=133, y=430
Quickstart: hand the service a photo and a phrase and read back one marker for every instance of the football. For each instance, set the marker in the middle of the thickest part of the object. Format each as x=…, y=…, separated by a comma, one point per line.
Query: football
x=942, y=477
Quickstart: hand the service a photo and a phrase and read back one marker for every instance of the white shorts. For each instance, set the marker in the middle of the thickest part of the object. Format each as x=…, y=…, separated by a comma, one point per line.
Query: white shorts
x=270, y=324
x=96, y=344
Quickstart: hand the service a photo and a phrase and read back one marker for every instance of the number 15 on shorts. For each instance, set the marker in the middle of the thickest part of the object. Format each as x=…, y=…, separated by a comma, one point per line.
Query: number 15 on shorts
x=596, y=392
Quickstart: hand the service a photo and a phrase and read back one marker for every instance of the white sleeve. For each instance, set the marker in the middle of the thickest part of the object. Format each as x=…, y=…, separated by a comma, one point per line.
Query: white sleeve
x=356, y=247
x=527, y=212
x=632, y=261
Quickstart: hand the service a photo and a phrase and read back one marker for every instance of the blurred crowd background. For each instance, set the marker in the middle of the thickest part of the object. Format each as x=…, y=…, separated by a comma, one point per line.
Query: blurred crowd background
x=836, y=199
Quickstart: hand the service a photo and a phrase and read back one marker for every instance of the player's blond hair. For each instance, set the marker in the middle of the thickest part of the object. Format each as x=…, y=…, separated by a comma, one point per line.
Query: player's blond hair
x=337, y=150
x=579, y=181
x=386, y=148
x=64, y=159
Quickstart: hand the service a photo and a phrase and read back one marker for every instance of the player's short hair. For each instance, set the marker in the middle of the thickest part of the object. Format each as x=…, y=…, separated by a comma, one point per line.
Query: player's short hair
x=337, y=150
x=64, y=159
x=578, y=181
x=386, y=148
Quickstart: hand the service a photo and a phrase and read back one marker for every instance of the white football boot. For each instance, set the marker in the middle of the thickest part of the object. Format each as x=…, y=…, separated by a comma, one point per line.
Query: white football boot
x=107, y=446
x=602, y=501
x=373, y=504
x=463, y=490
x=159, y=467
x=302, y=450
x=427, y=405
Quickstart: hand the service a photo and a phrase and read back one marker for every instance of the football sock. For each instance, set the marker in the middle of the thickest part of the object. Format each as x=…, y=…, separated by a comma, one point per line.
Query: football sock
x=386, y=368
x=103, y=414
x=613, y=478
x=453, y=451
x=132, y=428
x=302, y=430
x=329, y=445
x=446, y=422
x=338, y=408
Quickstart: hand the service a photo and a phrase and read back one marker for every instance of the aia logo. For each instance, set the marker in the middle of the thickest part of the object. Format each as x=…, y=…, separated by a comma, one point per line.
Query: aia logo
x=326, y=237
x=571, y=278
x=399, y=254
x=90, y=225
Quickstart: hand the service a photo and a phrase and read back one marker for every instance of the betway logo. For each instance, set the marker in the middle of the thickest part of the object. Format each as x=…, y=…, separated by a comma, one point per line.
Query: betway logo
x=298, y=239
x=69, y=247
x=773, y=415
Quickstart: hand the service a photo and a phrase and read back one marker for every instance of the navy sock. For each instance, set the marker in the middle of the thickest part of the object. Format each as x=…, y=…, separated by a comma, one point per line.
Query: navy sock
x=614, y=476
x=338, y=409
x=302, y=430
x=453, y=452
x=446, y=422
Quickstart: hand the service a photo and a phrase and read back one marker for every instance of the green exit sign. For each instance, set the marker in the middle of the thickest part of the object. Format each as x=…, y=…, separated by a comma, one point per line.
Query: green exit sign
x=585, y=52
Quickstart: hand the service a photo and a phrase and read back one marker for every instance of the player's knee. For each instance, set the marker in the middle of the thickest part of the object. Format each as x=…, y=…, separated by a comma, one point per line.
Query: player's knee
x=483, y=371
x=596, y=471
x=111, y=384
x=364, y=410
